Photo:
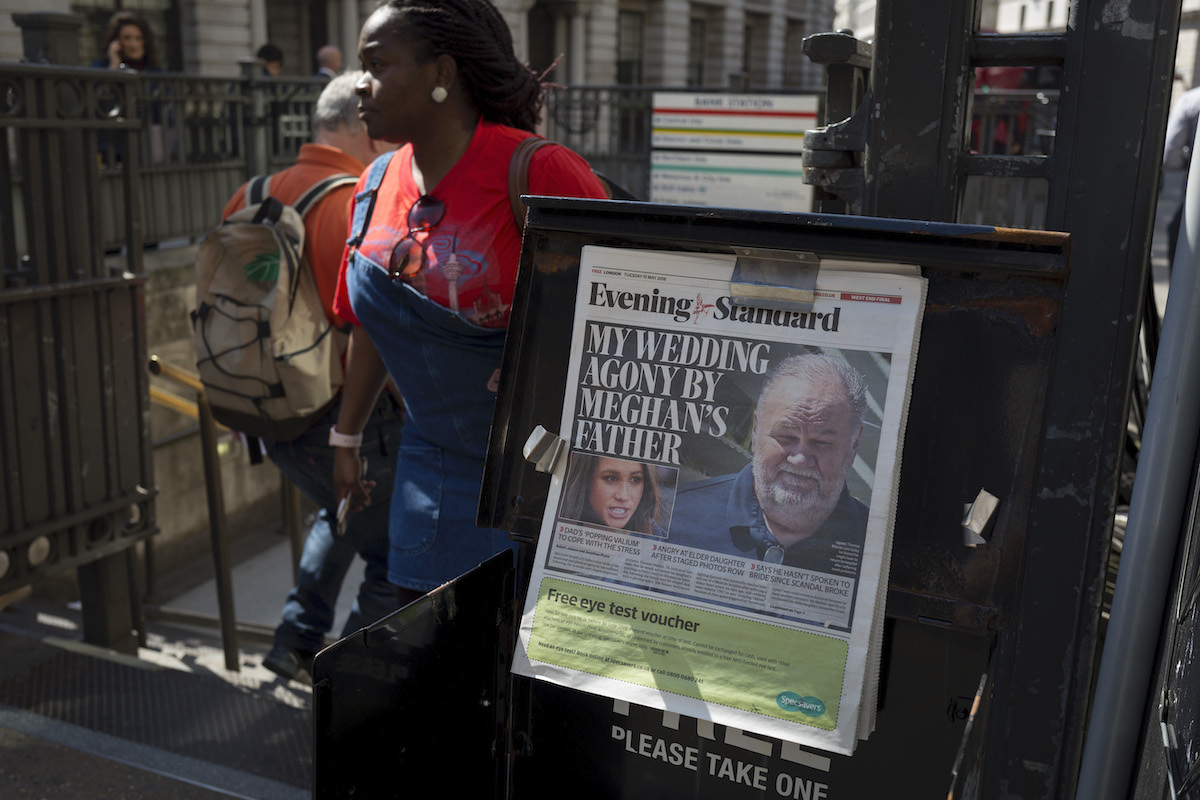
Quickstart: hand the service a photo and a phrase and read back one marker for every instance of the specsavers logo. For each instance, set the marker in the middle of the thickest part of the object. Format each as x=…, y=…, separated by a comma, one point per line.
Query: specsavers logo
x=809, y=706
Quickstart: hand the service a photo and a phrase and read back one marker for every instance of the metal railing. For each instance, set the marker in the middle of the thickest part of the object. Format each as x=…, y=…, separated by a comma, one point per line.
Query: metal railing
x=609, y=126
x=1016, y=122
x=218, y=524
x=74, y=401
x=193, y=142
x=201, y=138
x=198, y=139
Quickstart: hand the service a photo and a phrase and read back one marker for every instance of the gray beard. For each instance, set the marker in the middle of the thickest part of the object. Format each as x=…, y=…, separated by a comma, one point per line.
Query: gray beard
x=791, y=509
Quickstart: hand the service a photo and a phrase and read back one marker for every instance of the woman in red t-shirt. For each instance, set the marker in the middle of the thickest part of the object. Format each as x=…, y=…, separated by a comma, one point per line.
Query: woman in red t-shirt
x=429, y=275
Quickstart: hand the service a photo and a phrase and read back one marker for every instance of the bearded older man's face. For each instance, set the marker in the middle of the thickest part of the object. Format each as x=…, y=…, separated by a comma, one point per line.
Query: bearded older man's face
x=804, y=441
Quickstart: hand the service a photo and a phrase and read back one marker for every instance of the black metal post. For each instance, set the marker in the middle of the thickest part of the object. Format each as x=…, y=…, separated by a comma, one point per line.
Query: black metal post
x=255, y=117
x=50, y=38
x=219, y=531
x=104, y=589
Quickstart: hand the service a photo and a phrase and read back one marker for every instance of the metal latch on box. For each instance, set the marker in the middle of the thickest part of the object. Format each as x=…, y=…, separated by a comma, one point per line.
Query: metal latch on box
x=978, y=518
x=543, y=449
x=776, y=279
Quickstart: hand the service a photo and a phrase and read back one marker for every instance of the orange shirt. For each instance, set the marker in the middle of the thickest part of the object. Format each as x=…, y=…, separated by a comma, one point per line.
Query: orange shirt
x=327, y=223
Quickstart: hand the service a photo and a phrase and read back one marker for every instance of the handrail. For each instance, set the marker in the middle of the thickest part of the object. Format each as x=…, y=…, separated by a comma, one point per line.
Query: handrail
x=218, y=526
x=177, y=374
x=165, y=399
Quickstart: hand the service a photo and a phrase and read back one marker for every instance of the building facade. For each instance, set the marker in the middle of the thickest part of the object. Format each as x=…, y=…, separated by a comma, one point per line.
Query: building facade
x=858, y=16
x=1051, y=15
x=1022, y=16
x=752, y=44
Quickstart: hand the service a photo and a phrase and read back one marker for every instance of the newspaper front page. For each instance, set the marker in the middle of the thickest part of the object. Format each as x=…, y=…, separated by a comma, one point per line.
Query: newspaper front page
x=716, y=538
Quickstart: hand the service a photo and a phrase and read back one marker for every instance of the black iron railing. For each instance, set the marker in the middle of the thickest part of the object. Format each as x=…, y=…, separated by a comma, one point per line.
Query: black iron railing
x=609, y=126
x=1011, y=123
x=192, y=141
x=197, y=139
x=200, y=138
x=74, y=405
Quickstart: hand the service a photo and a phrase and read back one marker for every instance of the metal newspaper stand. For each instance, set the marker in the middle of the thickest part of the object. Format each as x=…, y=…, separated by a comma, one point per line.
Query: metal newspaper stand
x=427, y=692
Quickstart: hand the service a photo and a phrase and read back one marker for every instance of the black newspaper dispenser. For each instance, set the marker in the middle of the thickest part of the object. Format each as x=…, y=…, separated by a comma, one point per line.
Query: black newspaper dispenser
x=423, y=697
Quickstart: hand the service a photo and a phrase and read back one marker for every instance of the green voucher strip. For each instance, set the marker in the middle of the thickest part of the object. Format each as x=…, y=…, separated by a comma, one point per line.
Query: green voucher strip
x=753, y=666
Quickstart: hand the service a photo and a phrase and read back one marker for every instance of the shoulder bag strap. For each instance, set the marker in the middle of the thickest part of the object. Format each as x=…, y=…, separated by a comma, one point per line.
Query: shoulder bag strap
x=320, y=189
x=518, y=175
x=364, y=201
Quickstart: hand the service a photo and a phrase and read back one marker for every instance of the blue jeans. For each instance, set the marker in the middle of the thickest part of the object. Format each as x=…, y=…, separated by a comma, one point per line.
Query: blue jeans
x=308, y=462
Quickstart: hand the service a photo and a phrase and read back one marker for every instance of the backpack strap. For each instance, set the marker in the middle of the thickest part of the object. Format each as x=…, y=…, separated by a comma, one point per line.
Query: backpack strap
x=518, y=175
x=257, y=189
x=258, y=194
x=364, y=201
x=320, y=189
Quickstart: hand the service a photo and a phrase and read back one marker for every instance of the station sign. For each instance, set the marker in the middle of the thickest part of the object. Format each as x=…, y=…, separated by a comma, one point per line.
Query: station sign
x=730, y=150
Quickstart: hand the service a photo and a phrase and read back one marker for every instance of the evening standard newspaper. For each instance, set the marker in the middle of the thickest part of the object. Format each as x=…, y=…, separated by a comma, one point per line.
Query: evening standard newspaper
x=717, y=536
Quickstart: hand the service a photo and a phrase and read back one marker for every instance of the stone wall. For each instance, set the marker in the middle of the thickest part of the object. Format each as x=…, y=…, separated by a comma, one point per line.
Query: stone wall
x=216, y=36
x=251, y=491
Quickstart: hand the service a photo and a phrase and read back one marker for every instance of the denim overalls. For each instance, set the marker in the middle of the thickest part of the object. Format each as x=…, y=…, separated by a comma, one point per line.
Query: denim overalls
x=442, y=364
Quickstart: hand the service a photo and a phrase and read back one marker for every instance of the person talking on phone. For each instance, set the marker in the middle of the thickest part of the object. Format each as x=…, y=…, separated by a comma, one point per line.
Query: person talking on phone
x=129, y=44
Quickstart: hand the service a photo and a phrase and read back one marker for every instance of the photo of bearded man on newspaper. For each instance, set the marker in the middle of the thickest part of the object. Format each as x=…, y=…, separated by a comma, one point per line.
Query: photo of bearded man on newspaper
x=790, y=505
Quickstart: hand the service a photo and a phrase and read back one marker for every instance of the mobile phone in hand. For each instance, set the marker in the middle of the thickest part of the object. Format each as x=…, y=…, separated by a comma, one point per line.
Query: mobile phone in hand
x=343, y=515
x=343, y=509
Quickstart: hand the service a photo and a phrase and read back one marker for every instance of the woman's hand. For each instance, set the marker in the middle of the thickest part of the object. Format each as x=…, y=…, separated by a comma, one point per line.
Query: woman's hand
x=365, y=376
x=114, y=54
x=348, y=478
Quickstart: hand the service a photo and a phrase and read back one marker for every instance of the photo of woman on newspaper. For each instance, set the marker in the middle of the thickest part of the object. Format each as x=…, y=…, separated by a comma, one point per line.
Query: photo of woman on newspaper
x=615, y=493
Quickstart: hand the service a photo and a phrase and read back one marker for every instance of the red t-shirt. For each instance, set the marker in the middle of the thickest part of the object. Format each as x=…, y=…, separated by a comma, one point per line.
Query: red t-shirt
x=476, y=240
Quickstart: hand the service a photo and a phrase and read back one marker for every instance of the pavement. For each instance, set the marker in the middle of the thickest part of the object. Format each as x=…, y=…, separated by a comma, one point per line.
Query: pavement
x=79, y=722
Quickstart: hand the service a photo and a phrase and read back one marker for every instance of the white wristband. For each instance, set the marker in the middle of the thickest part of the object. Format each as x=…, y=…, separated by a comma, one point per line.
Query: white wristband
x=343, y=439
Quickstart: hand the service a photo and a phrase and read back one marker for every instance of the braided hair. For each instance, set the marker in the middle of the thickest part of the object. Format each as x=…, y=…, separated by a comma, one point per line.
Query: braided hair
x=475, y=35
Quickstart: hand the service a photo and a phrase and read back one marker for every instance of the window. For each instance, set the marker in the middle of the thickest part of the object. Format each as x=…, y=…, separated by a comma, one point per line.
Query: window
x=754, y=49
x=747, y=44
x=697, y=38
x=630, y=25
x=796, y=66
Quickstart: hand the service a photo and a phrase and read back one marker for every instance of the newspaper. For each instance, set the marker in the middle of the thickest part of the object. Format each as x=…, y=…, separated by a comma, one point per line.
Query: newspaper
x=717, y=534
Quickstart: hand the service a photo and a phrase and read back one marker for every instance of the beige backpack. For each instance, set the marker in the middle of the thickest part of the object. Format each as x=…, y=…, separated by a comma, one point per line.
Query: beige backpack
x=269, y=359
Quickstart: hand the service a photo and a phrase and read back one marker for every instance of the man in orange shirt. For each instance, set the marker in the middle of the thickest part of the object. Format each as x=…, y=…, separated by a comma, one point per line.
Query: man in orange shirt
x=340, y=146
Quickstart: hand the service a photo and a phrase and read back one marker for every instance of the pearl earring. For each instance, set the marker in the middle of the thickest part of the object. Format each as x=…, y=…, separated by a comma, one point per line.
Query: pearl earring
x=439, y=94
